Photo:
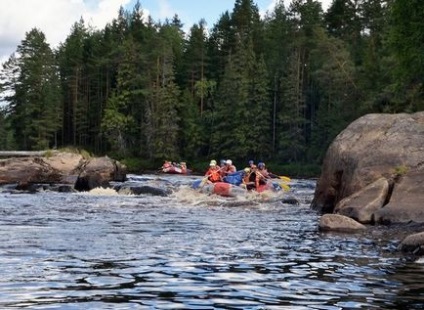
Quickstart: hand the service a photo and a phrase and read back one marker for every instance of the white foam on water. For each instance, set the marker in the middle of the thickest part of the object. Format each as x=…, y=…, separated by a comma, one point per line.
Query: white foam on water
x=103, y=191
x=190, y=196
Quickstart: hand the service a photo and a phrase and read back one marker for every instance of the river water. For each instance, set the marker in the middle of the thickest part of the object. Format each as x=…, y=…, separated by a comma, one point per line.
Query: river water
x=191, y=251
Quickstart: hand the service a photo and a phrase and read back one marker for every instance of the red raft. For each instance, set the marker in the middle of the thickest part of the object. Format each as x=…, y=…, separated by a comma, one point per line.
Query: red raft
x=173, y=168
x=229, y=190
x=222, y=189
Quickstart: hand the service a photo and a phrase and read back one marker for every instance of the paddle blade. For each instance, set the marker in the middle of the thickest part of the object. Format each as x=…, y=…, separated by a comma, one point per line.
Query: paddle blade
x=285, y=179
x=285, y=187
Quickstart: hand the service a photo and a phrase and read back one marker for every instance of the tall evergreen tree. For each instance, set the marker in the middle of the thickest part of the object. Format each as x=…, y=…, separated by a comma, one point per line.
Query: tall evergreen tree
x=6, y=131
x=161, y=125
x=120, y=120
x=276, y=51
x=72, y=66
x=406, y=41
x=335, y=76
x=344, y=22
x=242, y=125
x=36, y=100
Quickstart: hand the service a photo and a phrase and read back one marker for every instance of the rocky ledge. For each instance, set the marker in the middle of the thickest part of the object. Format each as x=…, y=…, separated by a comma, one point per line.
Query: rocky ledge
x=373, y=172
x=64, y=171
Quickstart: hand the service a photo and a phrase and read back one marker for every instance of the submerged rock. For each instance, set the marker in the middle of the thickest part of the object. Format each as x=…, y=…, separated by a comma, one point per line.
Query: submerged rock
x=291, y=200
x=413, y=244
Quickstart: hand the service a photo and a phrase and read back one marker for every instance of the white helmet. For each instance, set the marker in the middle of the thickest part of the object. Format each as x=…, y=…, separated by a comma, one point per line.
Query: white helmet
x=229, y=162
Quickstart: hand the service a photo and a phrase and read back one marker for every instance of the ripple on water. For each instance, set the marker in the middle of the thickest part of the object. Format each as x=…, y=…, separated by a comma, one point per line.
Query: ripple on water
x=102, y=250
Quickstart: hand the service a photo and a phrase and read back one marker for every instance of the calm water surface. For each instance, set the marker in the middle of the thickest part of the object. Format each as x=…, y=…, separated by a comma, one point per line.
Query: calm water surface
x=188, y=251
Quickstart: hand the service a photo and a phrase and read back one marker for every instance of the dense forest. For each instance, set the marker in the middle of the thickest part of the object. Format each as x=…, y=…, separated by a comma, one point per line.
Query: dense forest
x=277, y=88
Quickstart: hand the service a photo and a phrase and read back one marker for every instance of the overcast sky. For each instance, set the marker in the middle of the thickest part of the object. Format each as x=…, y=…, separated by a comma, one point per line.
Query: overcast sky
x=55, y=17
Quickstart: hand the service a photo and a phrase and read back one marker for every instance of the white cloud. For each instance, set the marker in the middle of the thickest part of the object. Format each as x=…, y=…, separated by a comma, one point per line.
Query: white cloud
x=53, y=17
x=273, y=3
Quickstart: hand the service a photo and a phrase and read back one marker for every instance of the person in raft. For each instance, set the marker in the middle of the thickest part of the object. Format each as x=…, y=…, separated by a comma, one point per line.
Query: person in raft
x=252, y=165
x=213, y=174
x=183, y=166
x=262, y=174
x=228, y=168
x=249, y=179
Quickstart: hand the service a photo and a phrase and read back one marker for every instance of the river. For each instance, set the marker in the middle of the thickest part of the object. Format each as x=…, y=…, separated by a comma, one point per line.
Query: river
x=191, y=251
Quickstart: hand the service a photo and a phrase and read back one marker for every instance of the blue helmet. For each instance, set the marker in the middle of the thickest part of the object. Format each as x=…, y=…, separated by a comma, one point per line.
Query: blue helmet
x=261, y=165
x=251, y=162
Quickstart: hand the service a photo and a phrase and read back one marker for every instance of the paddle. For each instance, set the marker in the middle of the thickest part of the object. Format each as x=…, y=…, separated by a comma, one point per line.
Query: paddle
x=282, y=177
x=283, y=184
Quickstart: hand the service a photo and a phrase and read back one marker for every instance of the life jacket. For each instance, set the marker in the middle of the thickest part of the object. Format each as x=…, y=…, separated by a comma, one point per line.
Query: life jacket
x=213, y=175
x=260, y=179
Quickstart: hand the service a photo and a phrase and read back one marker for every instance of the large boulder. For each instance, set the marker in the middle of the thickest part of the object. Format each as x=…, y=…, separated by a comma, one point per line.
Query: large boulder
x=98, y=172
x=61, y=168
x=375, y=146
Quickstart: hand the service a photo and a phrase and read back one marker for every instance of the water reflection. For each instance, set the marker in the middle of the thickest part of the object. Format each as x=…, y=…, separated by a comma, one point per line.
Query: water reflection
x=78, y=251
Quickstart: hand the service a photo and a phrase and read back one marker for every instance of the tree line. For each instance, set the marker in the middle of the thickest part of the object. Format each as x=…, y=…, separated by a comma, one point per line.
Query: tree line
x=277, y=88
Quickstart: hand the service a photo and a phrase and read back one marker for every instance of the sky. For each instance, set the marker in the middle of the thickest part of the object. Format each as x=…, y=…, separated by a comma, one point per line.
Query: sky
x=56, y=17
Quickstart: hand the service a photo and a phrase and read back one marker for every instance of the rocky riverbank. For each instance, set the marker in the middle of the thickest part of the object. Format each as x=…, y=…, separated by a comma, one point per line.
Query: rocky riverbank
x=62, y=171
x=373, y=173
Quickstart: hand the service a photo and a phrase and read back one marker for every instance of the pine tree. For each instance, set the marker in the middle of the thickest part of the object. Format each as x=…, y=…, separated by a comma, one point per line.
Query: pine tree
x=35, y=104
x=339, y=93
x=161, y=123
x=276, y=51
x=71, y=62
x=344, y=22
x=406, y=37
x=6, y=132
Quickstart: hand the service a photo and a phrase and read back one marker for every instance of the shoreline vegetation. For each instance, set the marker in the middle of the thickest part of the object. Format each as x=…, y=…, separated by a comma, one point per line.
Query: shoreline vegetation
x=138, y=166
x=294, y=170
x=277, y=88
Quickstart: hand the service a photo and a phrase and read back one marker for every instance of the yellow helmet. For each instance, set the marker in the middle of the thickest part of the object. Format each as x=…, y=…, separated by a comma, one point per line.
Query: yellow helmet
x=213, y=162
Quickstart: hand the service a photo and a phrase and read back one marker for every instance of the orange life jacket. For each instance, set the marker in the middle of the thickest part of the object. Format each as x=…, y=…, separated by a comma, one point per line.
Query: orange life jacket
x=213, y=175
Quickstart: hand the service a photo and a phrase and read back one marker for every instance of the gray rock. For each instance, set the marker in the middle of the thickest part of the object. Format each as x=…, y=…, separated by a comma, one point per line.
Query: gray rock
x=413, y=244
x=362, y=204
x=145, y=189
x=407, y=201
x=337, y=222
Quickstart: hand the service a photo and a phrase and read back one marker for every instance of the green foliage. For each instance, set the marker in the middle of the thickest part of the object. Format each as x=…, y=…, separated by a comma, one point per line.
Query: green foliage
x=406, y=37
x=400, y=170
x=6, y=133
x=35, y=104
x=279, y=88
x=296, y=170
x=135, y=164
